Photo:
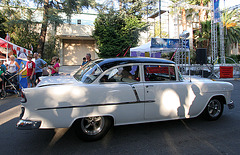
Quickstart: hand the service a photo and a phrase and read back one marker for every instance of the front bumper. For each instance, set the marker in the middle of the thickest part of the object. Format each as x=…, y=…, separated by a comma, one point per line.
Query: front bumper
x=231, y=105
x=28, y=125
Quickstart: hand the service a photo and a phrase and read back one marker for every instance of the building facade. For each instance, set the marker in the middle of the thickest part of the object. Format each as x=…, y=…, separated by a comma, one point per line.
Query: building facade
x=75, y=42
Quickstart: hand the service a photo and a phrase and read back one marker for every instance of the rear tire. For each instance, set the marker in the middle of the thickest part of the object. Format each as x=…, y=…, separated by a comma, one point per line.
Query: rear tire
x=213, y=110
x=93, y=128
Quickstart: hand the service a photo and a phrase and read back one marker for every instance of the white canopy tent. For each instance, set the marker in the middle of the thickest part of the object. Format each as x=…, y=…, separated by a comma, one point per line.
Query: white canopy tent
x=141, y=50
x=153, y=52
x=7, y=47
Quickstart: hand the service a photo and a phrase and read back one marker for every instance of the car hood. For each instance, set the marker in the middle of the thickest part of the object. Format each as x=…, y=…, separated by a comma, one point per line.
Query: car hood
x=56, y=80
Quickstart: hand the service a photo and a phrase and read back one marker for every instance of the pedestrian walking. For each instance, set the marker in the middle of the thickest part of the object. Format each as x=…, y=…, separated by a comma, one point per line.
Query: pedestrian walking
x=40, y=64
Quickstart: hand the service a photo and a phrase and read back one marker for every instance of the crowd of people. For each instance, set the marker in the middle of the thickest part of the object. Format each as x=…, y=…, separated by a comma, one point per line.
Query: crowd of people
x=34, y=68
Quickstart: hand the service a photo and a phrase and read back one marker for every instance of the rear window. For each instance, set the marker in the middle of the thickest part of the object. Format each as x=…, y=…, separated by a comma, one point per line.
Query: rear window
x=159, y=73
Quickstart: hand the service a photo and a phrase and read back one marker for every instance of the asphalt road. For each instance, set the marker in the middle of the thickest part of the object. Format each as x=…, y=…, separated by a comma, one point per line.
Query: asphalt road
x=192, y=136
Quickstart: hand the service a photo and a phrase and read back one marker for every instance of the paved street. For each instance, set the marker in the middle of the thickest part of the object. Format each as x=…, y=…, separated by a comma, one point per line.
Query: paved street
x=194, y=136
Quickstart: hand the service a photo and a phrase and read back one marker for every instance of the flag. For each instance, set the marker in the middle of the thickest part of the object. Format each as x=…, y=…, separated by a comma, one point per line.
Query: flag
x=31, y=48
x=7, y=37
x=216, y=12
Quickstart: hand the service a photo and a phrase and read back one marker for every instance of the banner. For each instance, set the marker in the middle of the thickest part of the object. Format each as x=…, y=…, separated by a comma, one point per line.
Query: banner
x=146, y=54
x=23, y=77
x=226, y=71
x=18, y=50
x=168, y=43
x=216, y=11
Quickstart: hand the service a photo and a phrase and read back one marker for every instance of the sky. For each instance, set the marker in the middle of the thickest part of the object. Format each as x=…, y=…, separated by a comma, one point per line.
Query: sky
x=228, y=3
x=223, y=4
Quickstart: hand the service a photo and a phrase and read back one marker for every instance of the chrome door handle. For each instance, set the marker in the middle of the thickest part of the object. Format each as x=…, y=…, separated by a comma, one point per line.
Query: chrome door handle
x=149, y=86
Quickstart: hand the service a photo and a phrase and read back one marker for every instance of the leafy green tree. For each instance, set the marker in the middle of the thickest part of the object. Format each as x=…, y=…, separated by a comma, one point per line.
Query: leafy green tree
x=231, y=31
x=50, y=14
x=2, y=20
x=157, y=30
x=115, y=32
x=119, y=24
x=189, y=14
x=203, y=37
x=138, y=8
x=231, y=23
x=202, y=17
x=19, y=25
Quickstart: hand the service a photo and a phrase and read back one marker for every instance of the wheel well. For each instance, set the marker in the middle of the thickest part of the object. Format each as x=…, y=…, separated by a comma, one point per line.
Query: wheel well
x=221, y=98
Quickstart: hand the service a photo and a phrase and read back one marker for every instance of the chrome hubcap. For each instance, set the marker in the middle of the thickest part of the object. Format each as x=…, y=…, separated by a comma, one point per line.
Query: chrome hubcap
x=214, y=108
x=92, y=125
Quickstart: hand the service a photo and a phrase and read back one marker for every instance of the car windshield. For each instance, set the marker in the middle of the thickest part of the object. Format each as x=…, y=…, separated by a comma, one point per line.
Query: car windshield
x=88, y=73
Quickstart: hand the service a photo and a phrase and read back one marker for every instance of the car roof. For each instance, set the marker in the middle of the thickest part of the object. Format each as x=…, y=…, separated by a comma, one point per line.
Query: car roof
x=111, y=62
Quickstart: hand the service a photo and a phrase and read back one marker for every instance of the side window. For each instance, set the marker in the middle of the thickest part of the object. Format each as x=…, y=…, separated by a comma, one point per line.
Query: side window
x=159, y=73
x=122, y=74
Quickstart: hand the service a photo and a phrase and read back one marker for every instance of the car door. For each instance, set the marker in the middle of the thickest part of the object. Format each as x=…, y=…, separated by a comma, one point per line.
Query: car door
x=166, y=98
x=122, y=88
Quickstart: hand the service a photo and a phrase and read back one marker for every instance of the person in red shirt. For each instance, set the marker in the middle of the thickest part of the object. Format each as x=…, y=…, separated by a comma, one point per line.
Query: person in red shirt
x=31, y=75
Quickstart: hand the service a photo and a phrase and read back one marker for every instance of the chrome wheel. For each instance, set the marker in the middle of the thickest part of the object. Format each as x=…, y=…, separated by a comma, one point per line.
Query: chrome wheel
x=92, y=125
x=93, y=128
x=214, y=108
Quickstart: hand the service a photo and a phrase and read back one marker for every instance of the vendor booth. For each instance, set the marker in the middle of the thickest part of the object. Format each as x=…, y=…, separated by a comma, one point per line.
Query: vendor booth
x=144, y=51
x=7, y=49
x=157, y=46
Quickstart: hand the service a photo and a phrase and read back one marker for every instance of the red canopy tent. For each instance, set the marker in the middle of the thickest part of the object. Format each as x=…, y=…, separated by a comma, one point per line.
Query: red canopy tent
x=18, y=50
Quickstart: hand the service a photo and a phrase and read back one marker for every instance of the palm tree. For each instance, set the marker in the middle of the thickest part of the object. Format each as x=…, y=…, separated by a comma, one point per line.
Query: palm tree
x=231, y=23
x=183, y=13
x=191, y=13
x=202, y=14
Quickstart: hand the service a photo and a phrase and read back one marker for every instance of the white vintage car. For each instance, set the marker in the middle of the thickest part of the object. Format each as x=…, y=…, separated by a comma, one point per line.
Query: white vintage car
x=120, y=91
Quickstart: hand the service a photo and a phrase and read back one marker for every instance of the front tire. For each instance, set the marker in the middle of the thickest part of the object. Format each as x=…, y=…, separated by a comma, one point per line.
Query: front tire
x=213, y=110
x=93, y=128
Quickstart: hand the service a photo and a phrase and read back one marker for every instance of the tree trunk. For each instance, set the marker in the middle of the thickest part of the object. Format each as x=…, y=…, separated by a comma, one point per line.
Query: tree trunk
x=40, y=47
x=120, y=4
x=184, y=19
x=200, y=26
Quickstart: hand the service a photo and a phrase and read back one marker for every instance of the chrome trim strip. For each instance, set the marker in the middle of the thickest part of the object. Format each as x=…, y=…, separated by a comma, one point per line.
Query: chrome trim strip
x=93, y=105
x=53, y=84
x=135, y=92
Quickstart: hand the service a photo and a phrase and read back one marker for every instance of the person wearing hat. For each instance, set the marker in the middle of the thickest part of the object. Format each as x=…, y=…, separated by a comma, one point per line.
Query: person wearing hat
x=31, y=75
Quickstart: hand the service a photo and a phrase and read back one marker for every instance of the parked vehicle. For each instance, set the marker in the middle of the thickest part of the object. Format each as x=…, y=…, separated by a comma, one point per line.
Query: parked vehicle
x=120, y=91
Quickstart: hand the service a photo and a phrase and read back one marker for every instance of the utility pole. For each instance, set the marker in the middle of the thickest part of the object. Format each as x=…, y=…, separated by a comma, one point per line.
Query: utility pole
x=160, y=35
